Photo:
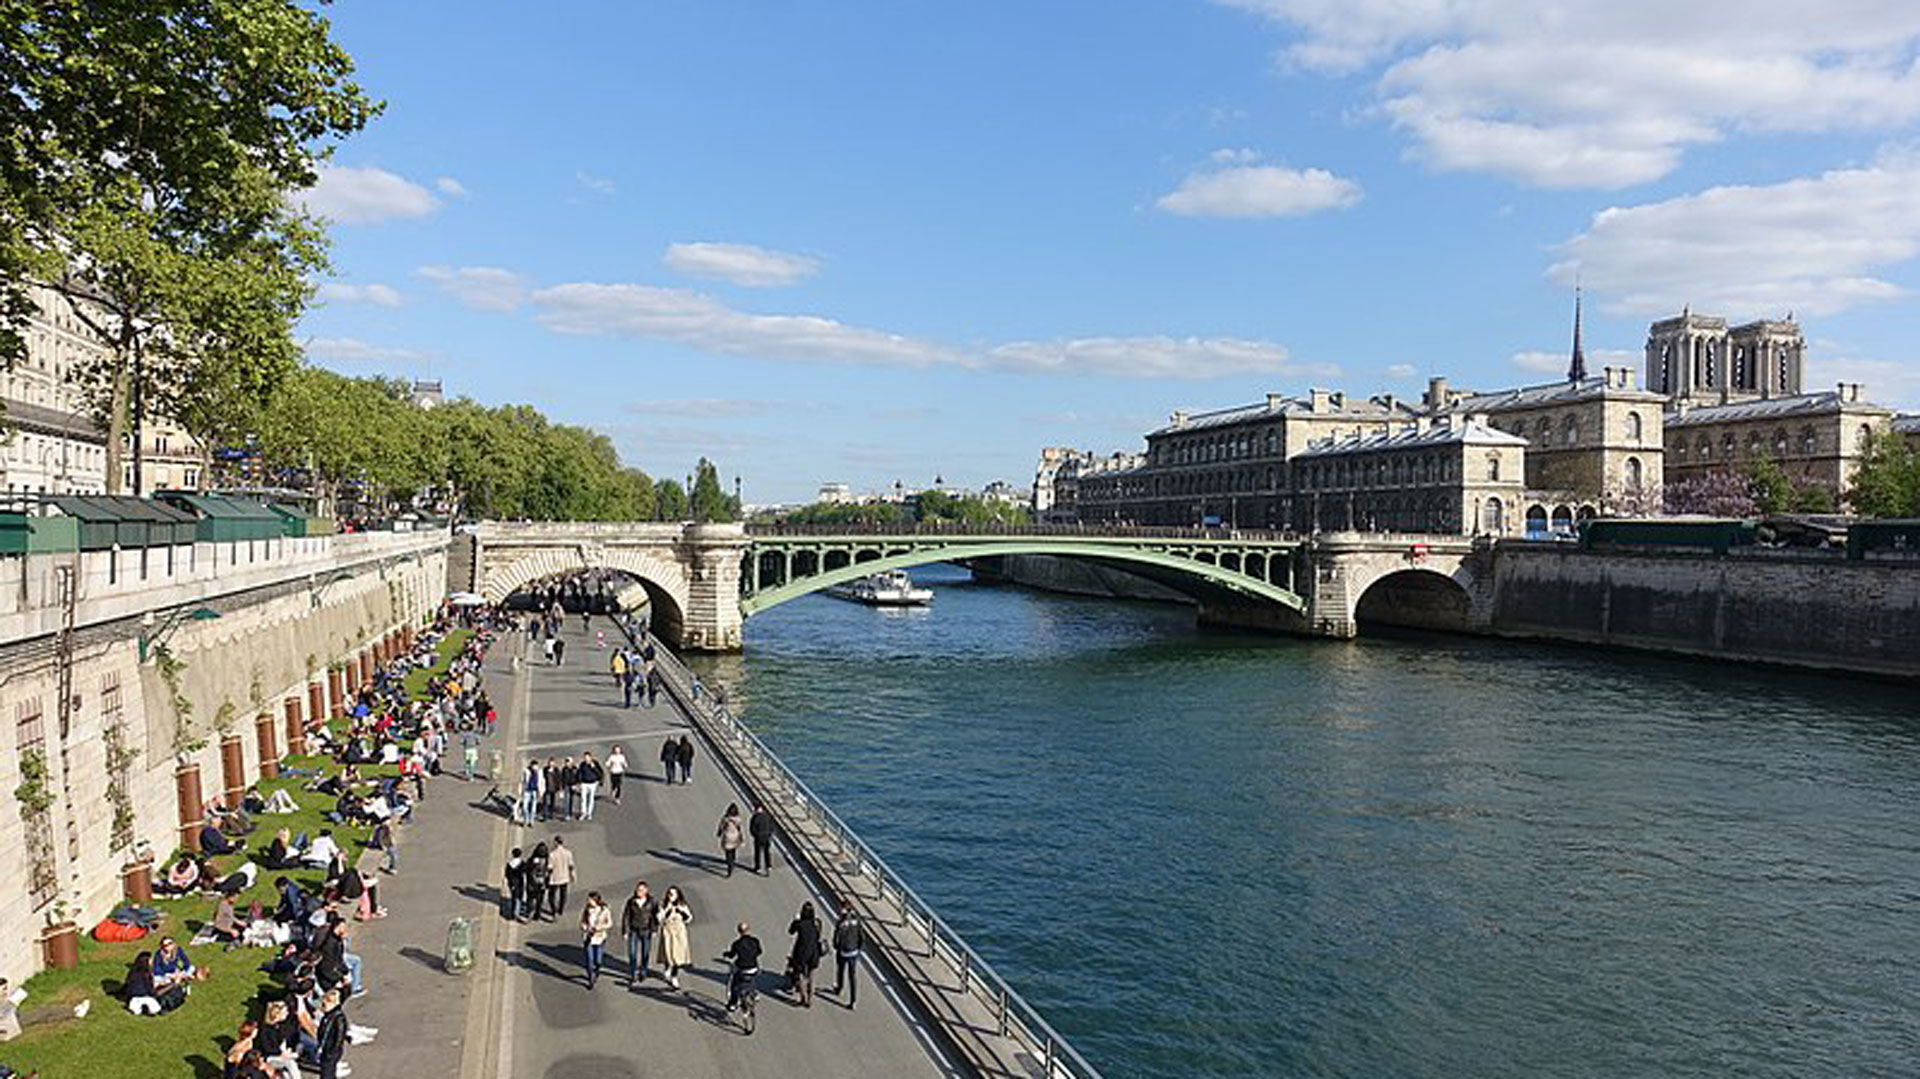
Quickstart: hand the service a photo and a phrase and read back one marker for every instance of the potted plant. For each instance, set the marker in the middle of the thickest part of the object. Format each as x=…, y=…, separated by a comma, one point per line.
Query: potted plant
x=60, y=941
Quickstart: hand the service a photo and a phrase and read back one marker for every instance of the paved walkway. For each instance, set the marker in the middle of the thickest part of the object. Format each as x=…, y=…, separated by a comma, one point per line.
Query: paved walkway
x=552, y=1027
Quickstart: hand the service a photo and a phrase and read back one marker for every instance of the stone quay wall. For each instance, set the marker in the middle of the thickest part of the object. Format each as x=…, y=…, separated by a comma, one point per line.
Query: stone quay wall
x=213, y=708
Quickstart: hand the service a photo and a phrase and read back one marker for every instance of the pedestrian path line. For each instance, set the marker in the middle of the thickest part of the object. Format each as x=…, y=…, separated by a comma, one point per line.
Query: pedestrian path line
x=480, y=1055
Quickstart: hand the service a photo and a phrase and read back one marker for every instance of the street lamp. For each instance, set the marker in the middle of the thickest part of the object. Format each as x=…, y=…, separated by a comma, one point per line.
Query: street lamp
x=154, y=633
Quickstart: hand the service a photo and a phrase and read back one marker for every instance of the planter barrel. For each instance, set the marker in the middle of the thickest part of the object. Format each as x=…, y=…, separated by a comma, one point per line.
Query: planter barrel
x=295, y=732
x=335, y=692
x=233, y=769
x=62, y=946
x=136, y=882
x=316, y=713
x=269, y=753
x=186, y=787
x=366, y=666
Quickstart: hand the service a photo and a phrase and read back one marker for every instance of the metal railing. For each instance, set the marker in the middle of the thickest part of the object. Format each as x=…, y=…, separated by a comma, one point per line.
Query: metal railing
x=937, y=529
x=1015, y=1016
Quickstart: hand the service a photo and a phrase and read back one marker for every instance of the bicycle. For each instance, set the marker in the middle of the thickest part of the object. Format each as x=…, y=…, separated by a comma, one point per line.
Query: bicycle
x=749, y=994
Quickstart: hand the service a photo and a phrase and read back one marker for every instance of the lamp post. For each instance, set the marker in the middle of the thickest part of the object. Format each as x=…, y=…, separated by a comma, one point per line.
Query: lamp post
x=154, y=633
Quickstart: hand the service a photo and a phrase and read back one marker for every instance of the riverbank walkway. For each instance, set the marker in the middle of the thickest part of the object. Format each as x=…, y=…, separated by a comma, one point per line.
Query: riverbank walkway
x=531, y=1015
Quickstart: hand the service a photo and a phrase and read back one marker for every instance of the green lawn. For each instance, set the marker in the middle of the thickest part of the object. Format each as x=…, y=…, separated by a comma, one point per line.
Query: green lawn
x=113, y=1043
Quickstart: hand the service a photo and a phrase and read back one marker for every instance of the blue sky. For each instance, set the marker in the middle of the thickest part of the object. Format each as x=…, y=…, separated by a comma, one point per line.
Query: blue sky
x=883, y=241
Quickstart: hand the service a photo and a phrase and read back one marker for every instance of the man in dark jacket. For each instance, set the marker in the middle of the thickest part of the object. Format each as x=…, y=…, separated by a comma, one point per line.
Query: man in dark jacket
x=849, y=936
x=332, y=1034
x=639, y=919
x=686, y=759
x=760, y=827
x=670, y=758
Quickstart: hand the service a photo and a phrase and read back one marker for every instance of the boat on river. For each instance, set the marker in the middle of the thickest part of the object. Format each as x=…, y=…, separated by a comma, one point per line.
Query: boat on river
x=891, y=589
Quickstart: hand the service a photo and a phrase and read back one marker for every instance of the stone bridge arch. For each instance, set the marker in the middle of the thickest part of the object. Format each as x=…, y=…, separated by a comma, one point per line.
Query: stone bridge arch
x=668, y=589
x=1417, y=582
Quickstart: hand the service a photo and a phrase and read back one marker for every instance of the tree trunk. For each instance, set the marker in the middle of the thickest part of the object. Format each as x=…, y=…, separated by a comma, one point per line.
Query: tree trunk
x=139, y=423
x=117, y=424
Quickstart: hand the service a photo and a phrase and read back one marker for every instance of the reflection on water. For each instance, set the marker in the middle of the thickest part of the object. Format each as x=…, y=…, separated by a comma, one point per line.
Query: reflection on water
x=1208, y=853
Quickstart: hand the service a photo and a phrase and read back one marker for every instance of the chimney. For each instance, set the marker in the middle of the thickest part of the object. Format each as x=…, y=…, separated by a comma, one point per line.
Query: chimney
x=1436, y=393
x=1178, y=419
x=1387, y=400
x=1320, y=400
x=1626, y=378
x=1338, y=398
x=1275, y=402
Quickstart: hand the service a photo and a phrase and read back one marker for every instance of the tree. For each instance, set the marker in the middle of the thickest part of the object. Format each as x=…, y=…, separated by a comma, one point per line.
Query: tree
x=709, y=501
x=1718, y=493
x=669, y=501
x=1886, y=483
x=151, y=152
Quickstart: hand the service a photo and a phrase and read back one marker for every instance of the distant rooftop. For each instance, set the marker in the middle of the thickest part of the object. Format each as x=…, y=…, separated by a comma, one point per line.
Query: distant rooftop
x=1470, y=432
x=1333, y=404
x=1805, y=404
x=1550, y=393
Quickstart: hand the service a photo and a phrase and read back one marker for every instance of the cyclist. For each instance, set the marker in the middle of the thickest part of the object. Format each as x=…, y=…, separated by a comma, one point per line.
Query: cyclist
x=744, y=953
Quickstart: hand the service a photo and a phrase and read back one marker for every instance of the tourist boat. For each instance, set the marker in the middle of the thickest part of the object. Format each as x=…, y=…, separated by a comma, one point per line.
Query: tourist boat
x=891, y=589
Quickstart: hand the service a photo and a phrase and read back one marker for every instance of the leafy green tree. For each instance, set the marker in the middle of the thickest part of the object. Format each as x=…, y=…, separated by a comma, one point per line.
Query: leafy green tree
x=710, y=502
x=670, y=501
x=151, y=150
x=1887, y=481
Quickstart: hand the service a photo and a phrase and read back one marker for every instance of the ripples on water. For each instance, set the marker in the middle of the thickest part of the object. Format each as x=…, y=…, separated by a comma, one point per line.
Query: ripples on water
x=1214, y=854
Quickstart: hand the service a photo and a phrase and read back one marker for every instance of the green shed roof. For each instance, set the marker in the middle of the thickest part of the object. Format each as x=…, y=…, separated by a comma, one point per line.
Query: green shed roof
x=220, y=507
x=118, y=509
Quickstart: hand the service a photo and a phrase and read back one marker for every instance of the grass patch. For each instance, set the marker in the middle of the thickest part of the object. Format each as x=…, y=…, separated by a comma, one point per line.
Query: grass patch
x=113, y=1043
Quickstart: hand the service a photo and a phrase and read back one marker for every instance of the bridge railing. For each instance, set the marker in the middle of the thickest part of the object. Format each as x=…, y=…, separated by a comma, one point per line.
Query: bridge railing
x=1016, y=1018
x=951, y=528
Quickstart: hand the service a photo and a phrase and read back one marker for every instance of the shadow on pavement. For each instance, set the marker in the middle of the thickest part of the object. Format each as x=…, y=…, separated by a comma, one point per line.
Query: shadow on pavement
x=712, y=863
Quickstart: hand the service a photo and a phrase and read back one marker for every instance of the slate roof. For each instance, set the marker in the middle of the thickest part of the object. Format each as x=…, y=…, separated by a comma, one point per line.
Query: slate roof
x=1551, y=393
x=1766, y=408
x=1472, y=434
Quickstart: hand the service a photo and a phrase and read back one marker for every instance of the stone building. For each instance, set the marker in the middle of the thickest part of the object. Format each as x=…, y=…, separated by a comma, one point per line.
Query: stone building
x=1594, y=444
x=1056, y=482
x=1907, y=426
x=1699, y=357
x=1816, y=437
x=1231, y=464
x=1453, y=474
x=1110, y=489
x=55, y=444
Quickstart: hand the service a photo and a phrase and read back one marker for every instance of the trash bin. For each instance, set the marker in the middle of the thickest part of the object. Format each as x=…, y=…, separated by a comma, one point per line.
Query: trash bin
x=459, y=954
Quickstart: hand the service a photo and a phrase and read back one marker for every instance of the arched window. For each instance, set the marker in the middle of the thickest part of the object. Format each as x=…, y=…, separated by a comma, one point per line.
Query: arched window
x=1866, y=434
x=1780, y=442
x=1635, y=430
x=1493, y=467
x=1572, y=431
x=1633, y=473
x=1493, y=516
x=1705, y=448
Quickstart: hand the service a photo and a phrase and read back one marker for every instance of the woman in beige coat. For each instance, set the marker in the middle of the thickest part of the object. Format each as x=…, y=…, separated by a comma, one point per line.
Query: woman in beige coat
x=675, y=951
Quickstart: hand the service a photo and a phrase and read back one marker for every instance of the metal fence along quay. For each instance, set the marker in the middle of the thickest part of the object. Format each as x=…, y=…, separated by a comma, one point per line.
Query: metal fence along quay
x=978, y=1014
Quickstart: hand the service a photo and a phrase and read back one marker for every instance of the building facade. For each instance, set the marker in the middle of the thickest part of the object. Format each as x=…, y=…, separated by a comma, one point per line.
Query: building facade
x=1594, y=445
x=1109, y=489
x=1056, y=482
x=1452, y=474
x=1698, y=357
x=1817, y=438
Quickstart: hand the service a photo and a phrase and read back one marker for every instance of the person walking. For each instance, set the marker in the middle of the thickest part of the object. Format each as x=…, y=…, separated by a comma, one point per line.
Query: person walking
x=653, y=684
x=849, y=936
x=570, y=789
x=539, y=873
x=805, y=956
x=589, y=774
x=628, y=679
x=686, y=759
x=382, y=840
x=547, y=645
x=559, y=875
x=596, y=921
x=675, y=917
x=639, y=920
x=469, y=754
x=559, y=651
x=549, y=788
x=516, y=885
x=617, y=666
x=670, y=759
x=616, y=771
x=760, y=828
x=730, y=835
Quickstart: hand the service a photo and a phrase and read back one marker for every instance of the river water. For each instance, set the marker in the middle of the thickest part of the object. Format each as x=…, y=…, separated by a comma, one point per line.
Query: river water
x=1204, y=853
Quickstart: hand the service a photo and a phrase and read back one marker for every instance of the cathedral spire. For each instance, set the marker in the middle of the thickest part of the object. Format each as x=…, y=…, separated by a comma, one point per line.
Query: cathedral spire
x=1577, y=370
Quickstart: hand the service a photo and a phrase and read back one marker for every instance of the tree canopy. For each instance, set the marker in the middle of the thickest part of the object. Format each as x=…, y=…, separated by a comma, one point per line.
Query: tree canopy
x=1887, y=481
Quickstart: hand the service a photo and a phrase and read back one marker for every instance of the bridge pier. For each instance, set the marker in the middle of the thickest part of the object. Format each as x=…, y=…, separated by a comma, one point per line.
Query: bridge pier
x=713, y=554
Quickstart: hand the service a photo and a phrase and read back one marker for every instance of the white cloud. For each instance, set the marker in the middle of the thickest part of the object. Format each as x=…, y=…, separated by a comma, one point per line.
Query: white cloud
x=348, y=195
x=742, y=264
x=1884, y=382
x=1810, y=245
x=1401, y=370
x=342, y=292
x=1571, y=93
x=483, y=288
x=699, y=321
x=599, y=185
x=1545, y=362
x=352, y=352
x=1245, y=190
x=450, y=186
x=1149, y=357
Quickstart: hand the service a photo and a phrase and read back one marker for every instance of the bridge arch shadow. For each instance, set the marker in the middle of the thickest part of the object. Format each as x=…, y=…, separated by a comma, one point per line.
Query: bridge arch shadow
x=1199, y=572
x=1415, y=598
x=665, y=582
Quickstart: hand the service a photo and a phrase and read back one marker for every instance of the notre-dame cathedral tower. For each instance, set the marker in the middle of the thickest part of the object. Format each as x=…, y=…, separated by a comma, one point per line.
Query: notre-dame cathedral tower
x=1698, y=357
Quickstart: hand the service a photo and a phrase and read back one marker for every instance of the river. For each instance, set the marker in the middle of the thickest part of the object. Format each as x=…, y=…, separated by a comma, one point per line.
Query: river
x=1206, y=853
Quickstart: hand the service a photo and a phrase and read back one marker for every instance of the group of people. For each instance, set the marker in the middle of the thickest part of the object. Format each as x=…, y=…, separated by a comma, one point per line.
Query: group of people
x=302, y=1021
x=809, y=947
x=635, y=674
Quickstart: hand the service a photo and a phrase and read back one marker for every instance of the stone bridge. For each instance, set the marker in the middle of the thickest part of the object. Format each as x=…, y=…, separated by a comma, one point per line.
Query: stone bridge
x=704, y=580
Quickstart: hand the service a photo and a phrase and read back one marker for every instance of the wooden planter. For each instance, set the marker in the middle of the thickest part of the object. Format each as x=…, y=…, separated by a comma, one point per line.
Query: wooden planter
x=233, y=770
x=136, y=882
x=269, y=753
x=186, y=787
x=61, y=944
x=296, y=731
x=335, y=692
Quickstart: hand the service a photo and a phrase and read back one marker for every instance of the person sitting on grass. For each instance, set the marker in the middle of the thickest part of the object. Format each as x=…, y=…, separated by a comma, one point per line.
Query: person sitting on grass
x=279, y=1040
x=214, y=841
x=224, y=927
x=173, y=974
x=181, y=878
x=322, y=851
x=138, y=988
x=280, y=853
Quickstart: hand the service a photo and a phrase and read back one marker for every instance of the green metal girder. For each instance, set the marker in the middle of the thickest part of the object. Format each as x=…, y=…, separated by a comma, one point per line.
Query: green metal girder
x=922, y=552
